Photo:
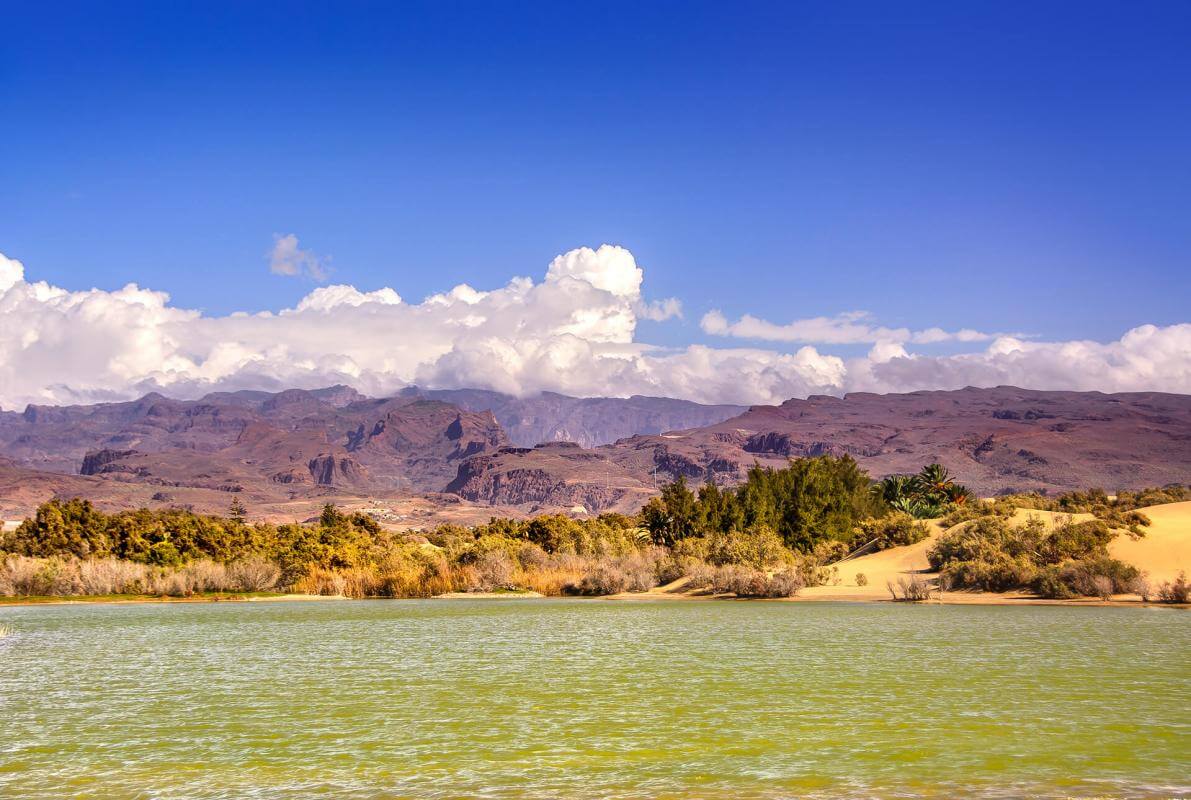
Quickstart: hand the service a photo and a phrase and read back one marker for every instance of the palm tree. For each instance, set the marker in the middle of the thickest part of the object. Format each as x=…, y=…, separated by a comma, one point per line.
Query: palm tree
x=958, y=494
x=934, y=481
x=894, y=489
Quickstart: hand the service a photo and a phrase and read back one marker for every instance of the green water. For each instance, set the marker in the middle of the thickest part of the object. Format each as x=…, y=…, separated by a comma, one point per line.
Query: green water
x=592, y=699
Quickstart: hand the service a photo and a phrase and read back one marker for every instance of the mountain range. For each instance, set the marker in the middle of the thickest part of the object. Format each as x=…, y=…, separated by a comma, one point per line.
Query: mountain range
x=485, y=449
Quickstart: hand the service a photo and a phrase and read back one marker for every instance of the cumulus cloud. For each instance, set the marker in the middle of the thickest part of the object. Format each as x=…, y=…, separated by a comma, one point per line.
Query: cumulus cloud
x=574, y=331
x=286, y=258
x=853, y=327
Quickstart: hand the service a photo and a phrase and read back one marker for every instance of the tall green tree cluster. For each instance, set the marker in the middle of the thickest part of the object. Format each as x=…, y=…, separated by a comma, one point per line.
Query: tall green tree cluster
x=811, y=500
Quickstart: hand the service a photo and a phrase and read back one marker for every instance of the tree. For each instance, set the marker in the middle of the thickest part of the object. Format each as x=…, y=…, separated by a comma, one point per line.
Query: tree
x=673, y=516
x=236, y=511
x=934, y=482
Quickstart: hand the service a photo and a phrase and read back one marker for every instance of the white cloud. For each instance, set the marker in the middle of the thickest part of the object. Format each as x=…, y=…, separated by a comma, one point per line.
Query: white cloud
x=853, y=327
x=286, y=258
x=573, y=332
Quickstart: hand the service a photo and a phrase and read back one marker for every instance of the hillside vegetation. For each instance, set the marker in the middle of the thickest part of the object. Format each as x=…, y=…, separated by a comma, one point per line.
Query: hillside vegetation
x=778, y=532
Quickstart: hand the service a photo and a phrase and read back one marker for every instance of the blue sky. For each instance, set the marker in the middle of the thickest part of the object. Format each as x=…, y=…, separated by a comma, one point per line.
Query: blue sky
x=1020, y=167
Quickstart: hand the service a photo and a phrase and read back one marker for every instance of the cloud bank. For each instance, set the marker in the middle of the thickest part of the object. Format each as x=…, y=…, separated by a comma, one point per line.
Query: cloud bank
x=574, y=332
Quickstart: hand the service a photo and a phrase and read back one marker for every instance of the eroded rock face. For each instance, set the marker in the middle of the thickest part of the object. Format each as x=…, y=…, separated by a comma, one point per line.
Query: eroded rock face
x=561, y=475
x=329, y=470
x=104, y=460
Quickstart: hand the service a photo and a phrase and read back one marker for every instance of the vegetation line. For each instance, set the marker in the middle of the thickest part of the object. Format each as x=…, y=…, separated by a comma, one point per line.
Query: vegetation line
x=779, y=531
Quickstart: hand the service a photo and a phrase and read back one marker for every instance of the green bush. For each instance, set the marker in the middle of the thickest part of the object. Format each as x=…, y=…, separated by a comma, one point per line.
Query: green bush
x=893, y=530
x=991, y=554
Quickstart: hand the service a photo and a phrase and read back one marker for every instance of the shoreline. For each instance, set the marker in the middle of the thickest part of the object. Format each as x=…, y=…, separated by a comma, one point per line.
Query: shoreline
x=950, y=598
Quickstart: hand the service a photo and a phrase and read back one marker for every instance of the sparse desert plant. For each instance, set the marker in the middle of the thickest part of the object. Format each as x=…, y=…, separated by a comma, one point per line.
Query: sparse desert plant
x=911, y=590
x=861, y=579
x=1101, y=586
x=1177, y=591
x=786, y=583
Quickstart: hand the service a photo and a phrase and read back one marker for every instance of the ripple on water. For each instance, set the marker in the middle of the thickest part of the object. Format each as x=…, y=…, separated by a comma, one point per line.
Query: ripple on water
x=546, y=699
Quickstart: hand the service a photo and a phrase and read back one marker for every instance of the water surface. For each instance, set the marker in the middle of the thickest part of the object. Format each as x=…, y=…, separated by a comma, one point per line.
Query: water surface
x=592, y=699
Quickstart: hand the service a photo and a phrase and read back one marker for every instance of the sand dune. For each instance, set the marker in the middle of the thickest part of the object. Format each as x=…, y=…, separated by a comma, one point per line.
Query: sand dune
x=1161, y=554
x=1166, y=548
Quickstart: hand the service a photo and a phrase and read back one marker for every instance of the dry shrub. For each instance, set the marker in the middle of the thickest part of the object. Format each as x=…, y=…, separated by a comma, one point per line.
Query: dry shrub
x=636, y=572
x=603, y=578
x=912, y=590
x=492, y=570
x=532, y=557
x=111, y=576
x=1101, y=586
x=744, y=581
x=25, y=576
x=1177, y=591
x=861, y=579
x=253, y=575
x=321, y=582
x=786, y=583
x=700, y=575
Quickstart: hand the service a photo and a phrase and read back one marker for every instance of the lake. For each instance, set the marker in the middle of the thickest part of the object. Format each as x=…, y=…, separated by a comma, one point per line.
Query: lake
x=528, y=698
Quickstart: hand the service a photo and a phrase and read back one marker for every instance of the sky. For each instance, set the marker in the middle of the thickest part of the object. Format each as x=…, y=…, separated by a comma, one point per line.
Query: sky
x=729, y=202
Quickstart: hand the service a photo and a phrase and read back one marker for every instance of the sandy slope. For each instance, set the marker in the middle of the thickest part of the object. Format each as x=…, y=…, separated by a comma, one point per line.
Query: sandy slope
x=1166, y=548
x=1161, y=554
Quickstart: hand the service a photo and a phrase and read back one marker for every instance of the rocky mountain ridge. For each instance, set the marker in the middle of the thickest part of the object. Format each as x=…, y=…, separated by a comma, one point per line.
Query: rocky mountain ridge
x=304, y=445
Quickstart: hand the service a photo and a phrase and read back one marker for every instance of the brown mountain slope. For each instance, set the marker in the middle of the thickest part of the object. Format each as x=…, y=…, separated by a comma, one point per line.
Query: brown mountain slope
x=297, y=446
x=558, y=474
x=994, y=440
x=588, y=421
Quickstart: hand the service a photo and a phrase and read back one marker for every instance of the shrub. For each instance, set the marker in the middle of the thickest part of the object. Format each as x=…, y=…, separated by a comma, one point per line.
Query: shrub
x=602, y=579
x=745, y=581
x=861, y=579
x=759, y=548
x=633, y=573
x=492, y=570
x=1177, y=591
x=893, y=530
x=975, y=509
x=913, y=589
x=786, y=583
x=1102, y=586
x=253, y=575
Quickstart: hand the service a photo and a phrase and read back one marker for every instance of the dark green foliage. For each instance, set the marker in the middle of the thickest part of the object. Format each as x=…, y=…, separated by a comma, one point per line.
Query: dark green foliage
x=811, y=500
x=927, y=495
x=673, y=516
